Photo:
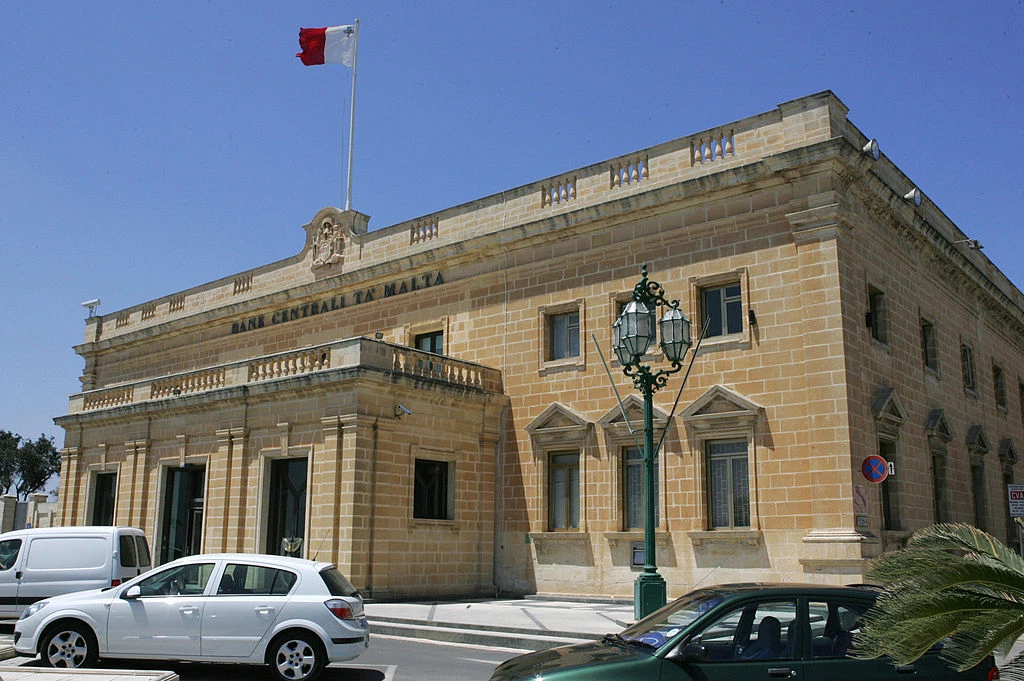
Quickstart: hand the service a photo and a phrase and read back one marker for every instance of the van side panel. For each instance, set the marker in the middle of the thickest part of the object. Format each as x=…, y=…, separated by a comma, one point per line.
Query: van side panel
x=57, y=565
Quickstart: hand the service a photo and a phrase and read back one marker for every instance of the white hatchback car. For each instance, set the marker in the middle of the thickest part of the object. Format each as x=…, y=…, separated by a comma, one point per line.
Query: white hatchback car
x=292, y=614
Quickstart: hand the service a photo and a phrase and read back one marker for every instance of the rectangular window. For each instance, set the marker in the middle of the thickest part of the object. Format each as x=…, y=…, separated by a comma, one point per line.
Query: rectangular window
x=999, y=385
x=430, y=342
x=633, y=488
x=939, y=490
x=929, y=345
x=1020, y=392
x=980, y=499
x=103, y=498
x=564, y=335
x=967, y=362
x=564, y=491
x=722, y=306
x=890, y=498
x=431, y=490
x=728, y=484
x=876, y=314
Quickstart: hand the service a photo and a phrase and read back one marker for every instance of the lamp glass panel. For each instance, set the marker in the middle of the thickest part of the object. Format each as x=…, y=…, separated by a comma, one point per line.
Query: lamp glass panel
x=675, y=334
x=637, y=328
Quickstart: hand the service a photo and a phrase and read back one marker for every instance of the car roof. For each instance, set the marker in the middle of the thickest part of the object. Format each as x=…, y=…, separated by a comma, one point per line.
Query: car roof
x=292, y=561
x=70, y=531
x=788, y=588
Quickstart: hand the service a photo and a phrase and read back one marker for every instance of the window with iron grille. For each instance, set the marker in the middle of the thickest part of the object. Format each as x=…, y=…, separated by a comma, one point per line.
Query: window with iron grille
x=728, y=484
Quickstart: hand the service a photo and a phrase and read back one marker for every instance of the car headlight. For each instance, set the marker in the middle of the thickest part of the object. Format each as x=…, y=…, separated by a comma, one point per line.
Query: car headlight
x=34, y=608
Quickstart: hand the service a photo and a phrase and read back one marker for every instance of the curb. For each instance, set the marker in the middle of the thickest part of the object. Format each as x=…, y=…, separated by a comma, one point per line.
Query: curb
x=519, y=639
x=8, y=673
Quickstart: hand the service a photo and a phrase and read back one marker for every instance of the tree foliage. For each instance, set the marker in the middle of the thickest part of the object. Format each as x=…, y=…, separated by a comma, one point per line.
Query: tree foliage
x=953, y=583
x=26, y=465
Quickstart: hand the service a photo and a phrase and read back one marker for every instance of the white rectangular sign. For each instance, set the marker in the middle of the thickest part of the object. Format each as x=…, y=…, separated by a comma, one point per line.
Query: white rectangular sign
x=1016, y=495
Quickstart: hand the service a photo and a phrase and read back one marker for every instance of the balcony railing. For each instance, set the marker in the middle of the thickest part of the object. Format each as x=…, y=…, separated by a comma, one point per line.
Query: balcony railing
x=385, y=357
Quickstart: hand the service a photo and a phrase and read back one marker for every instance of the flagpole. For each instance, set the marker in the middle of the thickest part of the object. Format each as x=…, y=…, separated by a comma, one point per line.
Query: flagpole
x=352, y=121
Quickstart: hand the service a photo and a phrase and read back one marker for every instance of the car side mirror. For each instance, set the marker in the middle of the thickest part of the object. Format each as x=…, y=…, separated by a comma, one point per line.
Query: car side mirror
x=131, y=593
x=694, y=651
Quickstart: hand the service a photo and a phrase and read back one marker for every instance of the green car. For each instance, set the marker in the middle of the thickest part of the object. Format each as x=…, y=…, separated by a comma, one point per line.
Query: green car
x=738, y=632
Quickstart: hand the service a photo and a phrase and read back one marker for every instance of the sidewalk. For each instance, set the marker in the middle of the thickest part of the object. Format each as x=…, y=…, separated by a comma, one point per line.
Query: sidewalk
x=524, y=624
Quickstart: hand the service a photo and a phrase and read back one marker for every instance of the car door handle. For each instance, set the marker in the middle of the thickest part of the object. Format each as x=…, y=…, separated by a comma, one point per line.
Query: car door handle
x=263, y=609
x=781, y=672
x=187, y=610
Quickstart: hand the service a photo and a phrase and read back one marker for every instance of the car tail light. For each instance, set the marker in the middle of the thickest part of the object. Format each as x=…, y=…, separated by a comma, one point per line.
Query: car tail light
x=115, y=582
x=340, y=609
x=993, y=674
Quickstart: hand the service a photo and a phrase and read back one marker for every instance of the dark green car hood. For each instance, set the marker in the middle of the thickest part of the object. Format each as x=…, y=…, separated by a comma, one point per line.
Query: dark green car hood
x=573, y=662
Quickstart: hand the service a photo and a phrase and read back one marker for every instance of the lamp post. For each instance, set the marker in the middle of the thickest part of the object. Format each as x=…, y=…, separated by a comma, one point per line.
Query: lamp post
x=632, y=334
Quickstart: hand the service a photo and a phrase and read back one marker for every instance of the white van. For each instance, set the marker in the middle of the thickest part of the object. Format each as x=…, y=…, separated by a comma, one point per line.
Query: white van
x=47, y=561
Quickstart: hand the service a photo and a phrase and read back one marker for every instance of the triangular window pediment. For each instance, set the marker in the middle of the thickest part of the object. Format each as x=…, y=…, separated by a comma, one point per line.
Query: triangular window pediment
x=887, y=407
x=721, y=407
x=936, y=426
x=615, y=425
x=558, y=425
x=1007, y=452
x=977, y=441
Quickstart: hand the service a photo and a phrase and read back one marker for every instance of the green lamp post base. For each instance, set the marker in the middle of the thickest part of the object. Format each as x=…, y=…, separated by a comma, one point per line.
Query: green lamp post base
x=649, y=594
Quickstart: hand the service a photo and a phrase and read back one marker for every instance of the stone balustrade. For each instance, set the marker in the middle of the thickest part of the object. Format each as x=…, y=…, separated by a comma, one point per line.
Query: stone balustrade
x=110, y=397
x=182, y=384
x=373, y=354
x=290, y=364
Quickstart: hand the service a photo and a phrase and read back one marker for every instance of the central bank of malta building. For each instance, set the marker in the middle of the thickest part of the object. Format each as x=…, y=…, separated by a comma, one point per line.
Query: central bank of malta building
x=427, y=405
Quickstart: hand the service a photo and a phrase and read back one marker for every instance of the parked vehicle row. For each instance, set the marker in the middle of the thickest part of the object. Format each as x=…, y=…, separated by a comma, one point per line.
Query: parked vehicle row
x=296, y=616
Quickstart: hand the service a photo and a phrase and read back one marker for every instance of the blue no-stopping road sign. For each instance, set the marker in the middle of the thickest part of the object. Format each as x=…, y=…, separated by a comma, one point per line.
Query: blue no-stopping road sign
x=875, y=468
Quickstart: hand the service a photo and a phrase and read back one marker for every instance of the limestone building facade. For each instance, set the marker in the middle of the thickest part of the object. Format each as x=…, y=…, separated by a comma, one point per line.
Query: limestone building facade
x=427, y=404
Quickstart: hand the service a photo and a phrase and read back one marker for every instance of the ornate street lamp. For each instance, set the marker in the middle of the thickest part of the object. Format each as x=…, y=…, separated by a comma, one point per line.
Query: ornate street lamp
x=632, y=334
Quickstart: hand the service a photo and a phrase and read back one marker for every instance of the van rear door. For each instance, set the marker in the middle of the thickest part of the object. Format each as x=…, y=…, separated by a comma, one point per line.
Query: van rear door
x=133, y=557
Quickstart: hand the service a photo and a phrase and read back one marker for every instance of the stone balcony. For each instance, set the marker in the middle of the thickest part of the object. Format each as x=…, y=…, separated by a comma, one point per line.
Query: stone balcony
x=325, y=362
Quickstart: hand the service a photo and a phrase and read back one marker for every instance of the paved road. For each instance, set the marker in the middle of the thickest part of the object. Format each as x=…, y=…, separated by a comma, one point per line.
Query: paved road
x=388, y=659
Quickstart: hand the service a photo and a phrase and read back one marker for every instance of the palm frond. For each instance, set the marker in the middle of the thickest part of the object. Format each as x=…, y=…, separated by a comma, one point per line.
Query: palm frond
x=952, y=583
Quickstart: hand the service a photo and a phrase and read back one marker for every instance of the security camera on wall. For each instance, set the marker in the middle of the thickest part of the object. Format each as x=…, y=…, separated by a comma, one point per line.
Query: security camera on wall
x=402, y=410
x=92, y=305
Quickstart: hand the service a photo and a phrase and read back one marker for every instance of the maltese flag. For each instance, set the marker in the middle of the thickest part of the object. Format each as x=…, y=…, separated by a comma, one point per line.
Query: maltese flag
x=331, y=45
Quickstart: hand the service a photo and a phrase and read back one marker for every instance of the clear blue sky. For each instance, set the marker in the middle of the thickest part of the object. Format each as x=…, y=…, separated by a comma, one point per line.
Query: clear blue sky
x=149, y=147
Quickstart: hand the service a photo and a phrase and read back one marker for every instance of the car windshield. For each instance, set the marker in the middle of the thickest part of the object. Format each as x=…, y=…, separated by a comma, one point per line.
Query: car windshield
x=660, y=626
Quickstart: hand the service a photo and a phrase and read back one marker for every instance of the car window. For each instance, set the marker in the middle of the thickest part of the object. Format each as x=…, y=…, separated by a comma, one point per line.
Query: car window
x=145, y=560
x=9, y=549
x=336, y=583
x=833, y=624
x=240, y=578
x=755, y=631
x=129, y=557
x=183, y=580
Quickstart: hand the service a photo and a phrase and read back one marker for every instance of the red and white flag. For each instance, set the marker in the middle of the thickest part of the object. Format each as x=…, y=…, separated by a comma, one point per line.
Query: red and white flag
x=331, y=45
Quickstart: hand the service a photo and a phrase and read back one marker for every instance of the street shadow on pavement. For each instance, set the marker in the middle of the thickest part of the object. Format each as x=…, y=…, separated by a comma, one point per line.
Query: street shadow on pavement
x=197, y=671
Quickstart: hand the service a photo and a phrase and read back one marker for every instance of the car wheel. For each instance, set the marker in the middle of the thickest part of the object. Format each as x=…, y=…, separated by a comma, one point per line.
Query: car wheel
x=296, y=656
x=69, y=644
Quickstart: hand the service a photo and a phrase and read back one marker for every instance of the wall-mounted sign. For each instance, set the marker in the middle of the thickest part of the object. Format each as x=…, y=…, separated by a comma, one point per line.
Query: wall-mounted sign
x=875, y=468
x=1016, y=494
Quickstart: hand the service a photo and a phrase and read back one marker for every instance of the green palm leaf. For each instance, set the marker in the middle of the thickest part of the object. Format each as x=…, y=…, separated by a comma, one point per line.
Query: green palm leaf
x=953, y=584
